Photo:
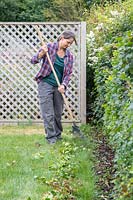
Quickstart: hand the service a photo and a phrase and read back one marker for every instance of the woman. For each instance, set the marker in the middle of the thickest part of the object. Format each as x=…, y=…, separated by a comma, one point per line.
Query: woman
x=51, y=101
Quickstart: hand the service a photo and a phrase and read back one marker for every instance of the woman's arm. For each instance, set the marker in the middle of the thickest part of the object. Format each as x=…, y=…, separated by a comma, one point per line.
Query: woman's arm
x=41, y=53
x=68, y=71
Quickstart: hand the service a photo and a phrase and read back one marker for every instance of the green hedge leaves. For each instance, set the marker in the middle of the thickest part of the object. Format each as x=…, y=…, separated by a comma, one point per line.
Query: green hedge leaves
x=110, y=57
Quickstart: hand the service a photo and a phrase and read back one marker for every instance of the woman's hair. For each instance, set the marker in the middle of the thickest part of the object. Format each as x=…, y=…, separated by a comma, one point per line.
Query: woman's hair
x=67, y=35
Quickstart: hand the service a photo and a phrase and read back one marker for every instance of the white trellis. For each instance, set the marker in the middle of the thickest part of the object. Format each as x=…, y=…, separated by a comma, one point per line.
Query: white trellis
x=18, y=89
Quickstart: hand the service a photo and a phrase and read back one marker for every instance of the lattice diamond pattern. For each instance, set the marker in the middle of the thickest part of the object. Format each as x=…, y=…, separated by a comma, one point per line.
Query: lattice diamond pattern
x=18, y=90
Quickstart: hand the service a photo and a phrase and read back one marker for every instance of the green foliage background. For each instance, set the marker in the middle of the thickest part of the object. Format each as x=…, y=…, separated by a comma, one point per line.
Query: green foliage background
x=109, y=68
x=47, y=10
x=42, y=10
x=110, y=61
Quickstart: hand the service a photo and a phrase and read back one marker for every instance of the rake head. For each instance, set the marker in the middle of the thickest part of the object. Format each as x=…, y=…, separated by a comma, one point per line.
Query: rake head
x=76, y=130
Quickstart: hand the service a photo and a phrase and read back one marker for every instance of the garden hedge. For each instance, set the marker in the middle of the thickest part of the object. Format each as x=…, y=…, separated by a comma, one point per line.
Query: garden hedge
x=110, y=62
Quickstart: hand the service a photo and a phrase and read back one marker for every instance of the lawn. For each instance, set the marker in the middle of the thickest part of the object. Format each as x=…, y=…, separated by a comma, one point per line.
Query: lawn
x=30, y=169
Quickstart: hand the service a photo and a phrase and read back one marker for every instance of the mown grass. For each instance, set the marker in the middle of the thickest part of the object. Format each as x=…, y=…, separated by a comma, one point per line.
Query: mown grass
x=26, y=160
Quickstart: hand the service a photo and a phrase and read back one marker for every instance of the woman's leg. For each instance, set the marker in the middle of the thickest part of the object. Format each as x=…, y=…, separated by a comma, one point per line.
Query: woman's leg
x=58, y=110
x=45, y=92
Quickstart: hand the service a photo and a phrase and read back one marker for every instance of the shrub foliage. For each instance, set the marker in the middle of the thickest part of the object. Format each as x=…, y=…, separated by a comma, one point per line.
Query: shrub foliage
x=111, y=60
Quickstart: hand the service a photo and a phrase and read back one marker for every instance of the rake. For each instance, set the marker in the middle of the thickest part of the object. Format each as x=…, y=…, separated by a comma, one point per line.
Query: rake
x=75, y=129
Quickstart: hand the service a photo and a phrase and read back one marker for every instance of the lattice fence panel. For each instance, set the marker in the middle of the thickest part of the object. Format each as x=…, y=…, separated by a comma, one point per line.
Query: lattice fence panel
x=18, y=89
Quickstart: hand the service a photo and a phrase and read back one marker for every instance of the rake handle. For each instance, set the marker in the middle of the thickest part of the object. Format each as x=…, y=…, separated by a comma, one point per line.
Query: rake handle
x=53, y=70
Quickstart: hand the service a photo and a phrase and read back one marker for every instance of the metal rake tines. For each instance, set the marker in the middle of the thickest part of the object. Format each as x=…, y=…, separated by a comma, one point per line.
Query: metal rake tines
x=76, y=130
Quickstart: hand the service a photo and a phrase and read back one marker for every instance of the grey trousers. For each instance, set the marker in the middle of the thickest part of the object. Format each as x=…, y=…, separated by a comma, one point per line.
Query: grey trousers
x=51, y=106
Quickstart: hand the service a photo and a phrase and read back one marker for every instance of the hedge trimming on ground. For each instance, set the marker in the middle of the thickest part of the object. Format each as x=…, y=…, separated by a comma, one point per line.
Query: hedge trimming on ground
x=110, y=55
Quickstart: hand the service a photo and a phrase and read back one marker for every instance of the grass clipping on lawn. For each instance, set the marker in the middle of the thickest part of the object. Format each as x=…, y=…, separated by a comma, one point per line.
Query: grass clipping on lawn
x=32, y=169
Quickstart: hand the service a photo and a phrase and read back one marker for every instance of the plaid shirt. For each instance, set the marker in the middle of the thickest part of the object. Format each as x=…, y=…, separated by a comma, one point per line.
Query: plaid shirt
x=45, y=67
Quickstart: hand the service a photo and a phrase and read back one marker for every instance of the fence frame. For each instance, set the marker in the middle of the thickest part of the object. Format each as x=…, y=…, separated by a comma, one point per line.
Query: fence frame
x=82, y=60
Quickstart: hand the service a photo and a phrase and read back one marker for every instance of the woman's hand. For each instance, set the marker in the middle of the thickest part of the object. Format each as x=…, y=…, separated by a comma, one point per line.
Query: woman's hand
x=61, y=89
x=43, y=51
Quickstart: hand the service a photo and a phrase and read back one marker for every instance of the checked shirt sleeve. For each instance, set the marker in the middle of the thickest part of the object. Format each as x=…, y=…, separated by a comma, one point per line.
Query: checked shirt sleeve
x=35, y=59
x=68, y=70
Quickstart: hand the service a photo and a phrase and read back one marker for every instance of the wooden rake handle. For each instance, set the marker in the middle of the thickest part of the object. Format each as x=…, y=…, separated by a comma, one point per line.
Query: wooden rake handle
x=53, y=70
